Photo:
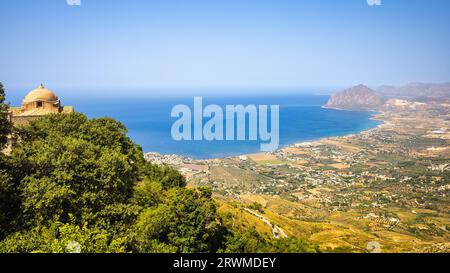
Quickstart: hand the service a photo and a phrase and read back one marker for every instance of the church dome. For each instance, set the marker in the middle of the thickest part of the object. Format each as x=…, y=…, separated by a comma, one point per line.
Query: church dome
x=40, y=94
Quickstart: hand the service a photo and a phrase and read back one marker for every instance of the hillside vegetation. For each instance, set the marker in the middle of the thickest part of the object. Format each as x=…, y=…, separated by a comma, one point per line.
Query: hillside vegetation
x=73, y=184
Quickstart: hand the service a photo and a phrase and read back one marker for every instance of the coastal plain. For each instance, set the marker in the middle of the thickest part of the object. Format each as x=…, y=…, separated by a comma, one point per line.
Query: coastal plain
x=382, y=190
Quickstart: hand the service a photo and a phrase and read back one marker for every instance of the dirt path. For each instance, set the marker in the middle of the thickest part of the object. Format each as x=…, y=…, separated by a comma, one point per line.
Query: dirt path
x=276, y=230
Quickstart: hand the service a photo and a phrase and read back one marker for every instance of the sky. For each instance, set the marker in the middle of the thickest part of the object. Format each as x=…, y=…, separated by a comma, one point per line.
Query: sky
x=181, y=43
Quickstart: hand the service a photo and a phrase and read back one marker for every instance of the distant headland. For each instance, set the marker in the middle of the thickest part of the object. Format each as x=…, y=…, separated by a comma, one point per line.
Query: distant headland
x=363, y=98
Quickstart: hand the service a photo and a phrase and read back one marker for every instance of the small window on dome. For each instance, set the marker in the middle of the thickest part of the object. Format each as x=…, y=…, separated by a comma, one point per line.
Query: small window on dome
x=39, y=104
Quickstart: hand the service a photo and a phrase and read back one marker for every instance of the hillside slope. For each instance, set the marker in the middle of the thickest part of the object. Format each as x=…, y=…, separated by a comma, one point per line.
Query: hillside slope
x=359, y=97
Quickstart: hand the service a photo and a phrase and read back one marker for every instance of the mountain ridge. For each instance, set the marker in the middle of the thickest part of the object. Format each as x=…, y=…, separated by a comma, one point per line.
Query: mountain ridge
x=359, y=97
x=416, y=90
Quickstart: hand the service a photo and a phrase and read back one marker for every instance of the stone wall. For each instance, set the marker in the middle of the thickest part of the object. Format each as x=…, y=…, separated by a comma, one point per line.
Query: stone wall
x=23, y=120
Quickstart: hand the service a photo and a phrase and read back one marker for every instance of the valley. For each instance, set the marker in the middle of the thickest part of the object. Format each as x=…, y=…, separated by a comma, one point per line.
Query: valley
x=387, y=186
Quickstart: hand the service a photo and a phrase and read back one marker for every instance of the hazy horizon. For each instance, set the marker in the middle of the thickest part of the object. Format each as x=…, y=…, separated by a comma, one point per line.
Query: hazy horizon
x=15, y=95
x=68, y=94
x=111, y=45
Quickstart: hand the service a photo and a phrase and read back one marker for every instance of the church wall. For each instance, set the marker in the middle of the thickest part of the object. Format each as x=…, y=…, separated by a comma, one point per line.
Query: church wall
x=52, y=106
x=23, y=120
x=45, y=105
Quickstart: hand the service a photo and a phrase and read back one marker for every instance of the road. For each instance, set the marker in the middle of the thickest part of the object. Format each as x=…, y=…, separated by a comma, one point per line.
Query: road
x=276, y=230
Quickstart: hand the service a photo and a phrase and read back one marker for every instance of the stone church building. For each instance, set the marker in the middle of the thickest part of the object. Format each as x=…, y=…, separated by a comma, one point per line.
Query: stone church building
x=39, y=102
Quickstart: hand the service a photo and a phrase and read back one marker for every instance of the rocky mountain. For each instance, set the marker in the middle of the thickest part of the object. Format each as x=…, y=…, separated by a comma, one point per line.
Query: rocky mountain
x=359, y=97
x=416, y=91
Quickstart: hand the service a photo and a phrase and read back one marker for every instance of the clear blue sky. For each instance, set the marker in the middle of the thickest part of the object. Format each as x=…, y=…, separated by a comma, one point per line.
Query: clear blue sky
x=223, y=42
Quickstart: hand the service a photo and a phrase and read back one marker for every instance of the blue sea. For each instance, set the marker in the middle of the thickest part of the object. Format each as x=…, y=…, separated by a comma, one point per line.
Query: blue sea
x=149, y=120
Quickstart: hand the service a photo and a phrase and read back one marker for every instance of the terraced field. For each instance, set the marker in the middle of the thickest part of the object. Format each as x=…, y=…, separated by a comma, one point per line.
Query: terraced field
x=337, y=231
x=386, y=189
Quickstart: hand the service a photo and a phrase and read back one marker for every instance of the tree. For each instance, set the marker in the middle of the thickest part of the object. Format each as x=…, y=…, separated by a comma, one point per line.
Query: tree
x=148, y=193
x=70, y=173
x=5, y=125
x=167, y=176
x=10, y=201
x=77, y=185
x=9, y=195
x=250, y=241
x=184, y=222
x=63, y=238
x=72, y=166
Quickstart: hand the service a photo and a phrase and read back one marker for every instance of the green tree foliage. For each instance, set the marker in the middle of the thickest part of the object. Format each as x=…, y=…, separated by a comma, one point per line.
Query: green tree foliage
x=185, y=221
x=63, y=238
x=167, y=176
x=79, y=180
x=148, y=193
x=72, y=166
x=77, y=185
x=256, y=206
x=9, y=197
x=10, y=200
x=245, y=241
x=250, y=241
x=5, y=126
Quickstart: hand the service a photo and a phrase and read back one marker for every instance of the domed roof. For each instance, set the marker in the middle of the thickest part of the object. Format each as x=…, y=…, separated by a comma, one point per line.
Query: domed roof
x=40, y=94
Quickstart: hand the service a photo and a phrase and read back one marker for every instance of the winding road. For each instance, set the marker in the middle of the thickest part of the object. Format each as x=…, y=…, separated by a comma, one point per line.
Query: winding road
x=276, y=230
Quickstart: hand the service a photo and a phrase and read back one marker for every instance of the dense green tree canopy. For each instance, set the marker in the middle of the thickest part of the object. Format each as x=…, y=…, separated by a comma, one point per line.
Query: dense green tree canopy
x=185, y=220
x=72, y=165
x=75, y=179
x=5, y=125
x=8, y=194
x=73, y=184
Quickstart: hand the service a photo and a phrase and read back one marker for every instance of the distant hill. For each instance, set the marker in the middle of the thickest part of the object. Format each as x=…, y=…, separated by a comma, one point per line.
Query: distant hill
x=416, y=91
x=359, y=97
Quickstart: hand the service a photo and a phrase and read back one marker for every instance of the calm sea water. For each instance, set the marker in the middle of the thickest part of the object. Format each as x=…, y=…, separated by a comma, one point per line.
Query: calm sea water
x=149, y=121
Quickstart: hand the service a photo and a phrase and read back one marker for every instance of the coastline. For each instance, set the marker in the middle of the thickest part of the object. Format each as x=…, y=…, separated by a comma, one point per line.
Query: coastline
x=376, y=115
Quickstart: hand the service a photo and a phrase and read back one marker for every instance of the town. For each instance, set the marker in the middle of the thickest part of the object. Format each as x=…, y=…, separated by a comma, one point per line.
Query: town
x=388, y=185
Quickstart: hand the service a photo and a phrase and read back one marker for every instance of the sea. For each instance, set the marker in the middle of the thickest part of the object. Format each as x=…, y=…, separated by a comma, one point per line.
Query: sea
x=148, y=118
